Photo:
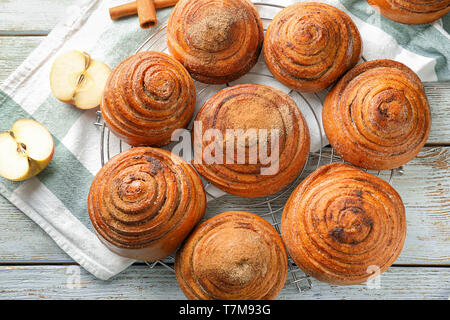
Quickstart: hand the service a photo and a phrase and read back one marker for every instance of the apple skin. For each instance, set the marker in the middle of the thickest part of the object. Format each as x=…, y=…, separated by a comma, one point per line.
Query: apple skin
x=35, y=166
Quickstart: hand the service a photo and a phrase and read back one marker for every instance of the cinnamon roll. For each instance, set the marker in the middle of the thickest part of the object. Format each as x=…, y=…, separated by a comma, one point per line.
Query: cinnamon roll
x=308, y=46
x=412, y=12
x=377, y=116
x=217, y=41
x=144, y=202
x=250, y=140
x=147, y=97
x=235, y=255
x=341, y=225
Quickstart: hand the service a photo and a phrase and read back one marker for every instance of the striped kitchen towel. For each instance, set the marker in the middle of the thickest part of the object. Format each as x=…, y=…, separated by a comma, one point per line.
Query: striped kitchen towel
x=56, y=199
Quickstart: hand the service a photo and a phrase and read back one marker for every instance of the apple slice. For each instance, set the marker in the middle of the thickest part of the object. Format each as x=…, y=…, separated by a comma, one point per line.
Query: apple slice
x=77, y=79
x=13, y=164
x=65, y=74
x=25, y=150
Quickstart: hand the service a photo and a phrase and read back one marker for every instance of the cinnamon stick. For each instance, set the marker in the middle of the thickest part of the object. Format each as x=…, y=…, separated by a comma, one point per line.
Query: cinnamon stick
x=130, y=8
x=146, y=13
x=124, y=10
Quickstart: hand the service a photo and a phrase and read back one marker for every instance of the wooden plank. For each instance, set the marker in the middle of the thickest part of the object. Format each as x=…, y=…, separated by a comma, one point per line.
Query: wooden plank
x=425, y=189
x=14, y=50
x=22, y=240
x=438, y=94
x=140, y=282
x=31, y=15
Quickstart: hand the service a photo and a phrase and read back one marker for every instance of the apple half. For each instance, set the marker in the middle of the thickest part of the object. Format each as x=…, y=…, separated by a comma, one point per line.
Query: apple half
x=25, y=150
x=78, y=79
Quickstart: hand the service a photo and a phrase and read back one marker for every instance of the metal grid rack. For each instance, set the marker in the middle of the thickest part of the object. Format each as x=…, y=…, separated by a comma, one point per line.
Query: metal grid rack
x=273, y=208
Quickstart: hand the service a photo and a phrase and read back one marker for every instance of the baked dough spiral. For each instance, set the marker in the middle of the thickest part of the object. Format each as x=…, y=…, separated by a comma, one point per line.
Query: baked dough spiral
x=412, y=12
x=310, y=45
x=217, y=41
x=262, y=169
x=147, y=97
x=341, y=224
x=144, y=202
x=377, y=116
x=235, y=255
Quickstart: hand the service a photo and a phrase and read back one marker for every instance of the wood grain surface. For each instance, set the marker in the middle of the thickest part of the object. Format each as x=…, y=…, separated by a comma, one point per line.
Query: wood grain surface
x=31, y=17
x=140, y=282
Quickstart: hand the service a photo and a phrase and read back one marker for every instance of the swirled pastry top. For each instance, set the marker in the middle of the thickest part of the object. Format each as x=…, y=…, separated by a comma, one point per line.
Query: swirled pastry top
x=310, y=45
x=147, y=97
x=250, y=140
x=145, y=198
x=234, y=255
x=342, y=224
x=412, y=11
x=377, y=116
x=217, y=41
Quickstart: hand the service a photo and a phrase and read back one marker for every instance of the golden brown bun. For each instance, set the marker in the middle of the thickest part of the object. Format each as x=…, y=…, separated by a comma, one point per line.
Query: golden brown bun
x=377, y=116
x=412, y=12
x=341, y=224
x=217, y=41
x=147, y=97
x=246, y=107
x=144, y=202
x=308, y=46
x=235, y=255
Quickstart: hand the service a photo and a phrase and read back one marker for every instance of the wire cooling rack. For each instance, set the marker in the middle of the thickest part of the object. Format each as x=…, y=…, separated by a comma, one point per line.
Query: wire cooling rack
x=270, y=207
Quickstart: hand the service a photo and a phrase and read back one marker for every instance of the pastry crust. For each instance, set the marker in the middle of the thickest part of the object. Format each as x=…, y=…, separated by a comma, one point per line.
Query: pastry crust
x=308, y=46
x=248, y=107
x=377, y=116
x=235, y=255
x=144, y=202
x=147, y=97
x=412, y=12
x=217, y=41
x=341, y=224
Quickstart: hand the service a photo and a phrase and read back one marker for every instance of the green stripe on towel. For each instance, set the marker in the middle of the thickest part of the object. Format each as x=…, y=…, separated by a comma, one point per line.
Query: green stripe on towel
x=57, y=116
x=10, y=112
x=65, y=176
x=69, y=181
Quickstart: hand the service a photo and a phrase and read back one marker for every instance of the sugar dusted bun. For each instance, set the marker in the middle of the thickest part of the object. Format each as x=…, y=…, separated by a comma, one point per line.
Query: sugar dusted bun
x=309, y=45
x=144, y=202
x=217, y=41
x=147, y=97
x=259, y=108
x=412, y=12
x=234, y=255
x=342, y=224
x=377, y=116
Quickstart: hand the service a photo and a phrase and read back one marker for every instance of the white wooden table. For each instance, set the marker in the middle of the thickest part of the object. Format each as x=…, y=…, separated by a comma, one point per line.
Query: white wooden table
x=32, y=266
